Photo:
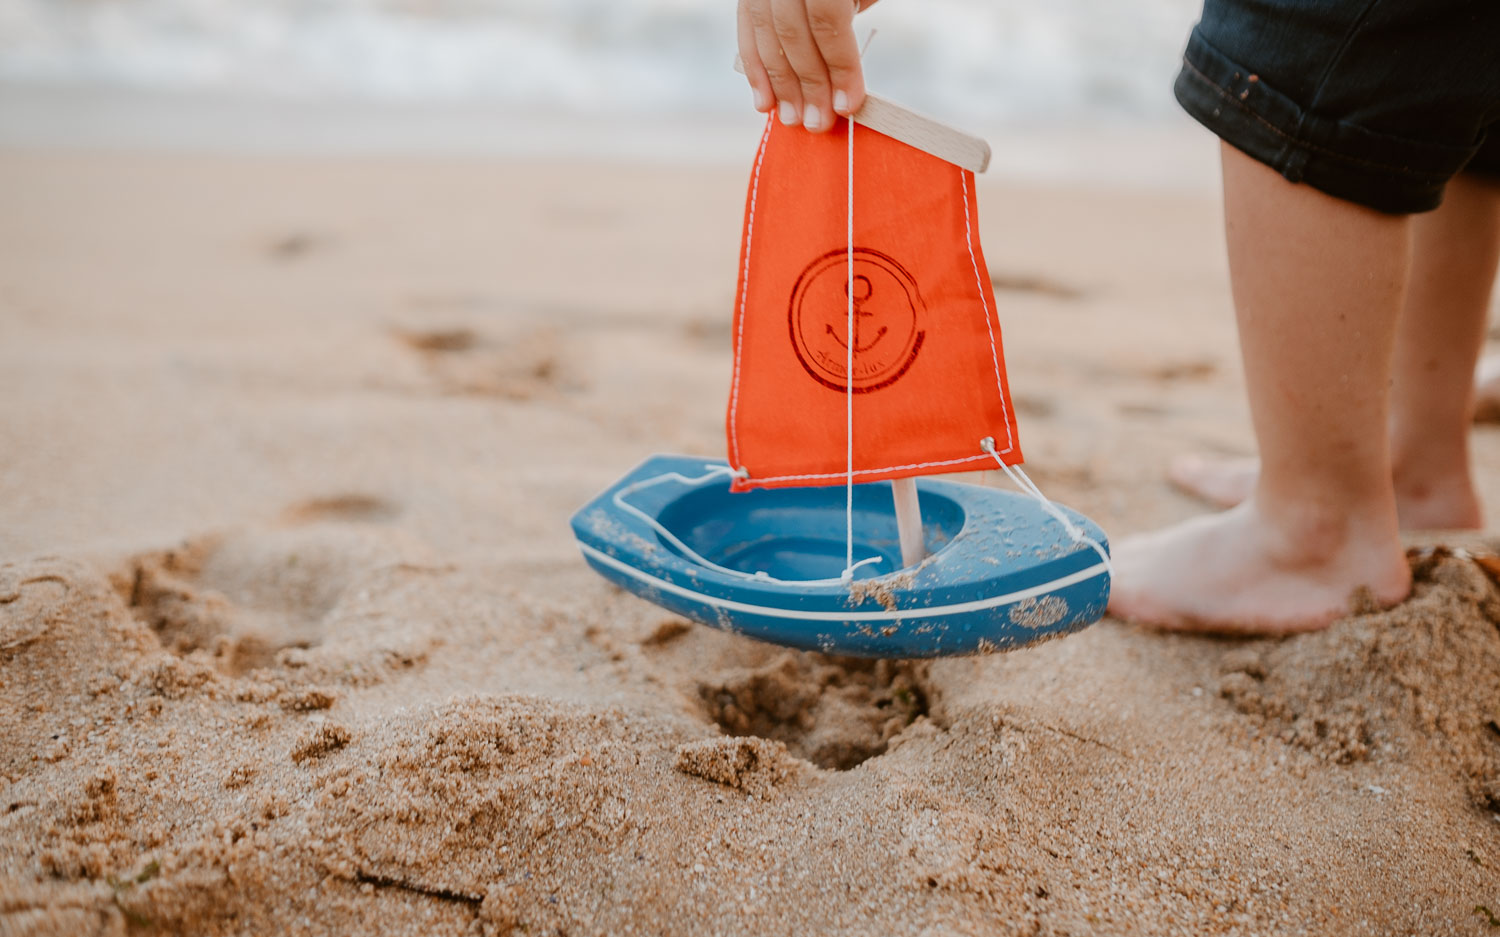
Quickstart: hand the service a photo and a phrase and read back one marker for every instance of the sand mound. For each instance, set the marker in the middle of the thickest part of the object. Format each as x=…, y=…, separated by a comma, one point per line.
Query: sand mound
x=456, y=800
x=65, y=641
x=1424, y=674
x=130, y=700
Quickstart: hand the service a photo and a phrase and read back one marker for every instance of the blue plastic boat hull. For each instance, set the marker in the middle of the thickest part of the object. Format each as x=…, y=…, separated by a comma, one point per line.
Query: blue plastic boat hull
x=1001, y=572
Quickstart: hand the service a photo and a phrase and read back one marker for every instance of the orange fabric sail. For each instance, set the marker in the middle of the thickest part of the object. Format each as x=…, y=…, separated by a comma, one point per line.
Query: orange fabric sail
x=929, y=375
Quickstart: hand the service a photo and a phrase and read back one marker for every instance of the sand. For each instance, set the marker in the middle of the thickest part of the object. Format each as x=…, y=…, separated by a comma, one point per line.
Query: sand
x=293, y=637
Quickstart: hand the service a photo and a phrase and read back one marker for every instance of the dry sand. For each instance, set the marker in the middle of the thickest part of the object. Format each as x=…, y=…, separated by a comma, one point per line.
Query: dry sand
x=293, y=638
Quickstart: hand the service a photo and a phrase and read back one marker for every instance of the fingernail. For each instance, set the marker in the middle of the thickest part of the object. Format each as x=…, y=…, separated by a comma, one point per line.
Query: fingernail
x=789, y=114
x=760, y=99
x=812, y=118
x=841, y=103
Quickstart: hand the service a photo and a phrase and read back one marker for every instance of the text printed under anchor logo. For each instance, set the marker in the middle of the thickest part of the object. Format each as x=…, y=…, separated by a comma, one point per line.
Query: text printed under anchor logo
x=887, y=314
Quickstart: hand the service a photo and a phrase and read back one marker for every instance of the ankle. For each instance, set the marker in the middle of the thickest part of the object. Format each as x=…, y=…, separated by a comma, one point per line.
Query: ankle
x=1425, y=479
x=1306, y=532
x=1435, y=462
x=1437, y=492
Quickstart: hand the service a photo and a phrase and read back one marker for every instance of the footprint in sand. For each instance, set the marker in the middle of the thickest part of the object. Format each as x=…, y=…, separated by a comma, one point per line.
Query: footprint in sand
x=1188, y=370
x=295, y=246
x=355, y=508
x=1033, y=406
x=1142, y=408
x=710, y=330
x=1033, y=283
x=247, y=600
x=460, y=360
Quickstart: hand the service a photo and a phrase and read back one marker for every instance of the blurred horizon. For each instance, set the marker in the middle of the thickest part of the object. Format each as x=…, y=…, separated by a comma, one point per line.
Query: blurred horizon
x=981, y=62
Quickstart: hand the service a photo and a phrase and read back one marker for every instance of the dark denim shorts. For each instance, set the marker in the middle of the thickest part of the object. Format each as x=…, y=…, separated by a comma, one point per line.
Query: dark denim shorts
x=1379, y=102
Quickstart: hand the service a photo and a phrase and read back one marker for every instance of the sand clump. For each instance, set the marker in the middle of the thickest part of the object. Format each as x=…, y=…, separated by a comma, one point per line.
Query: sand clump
x=1423, y=676
x=307, y=699
x=320, y=742
x=754, y=765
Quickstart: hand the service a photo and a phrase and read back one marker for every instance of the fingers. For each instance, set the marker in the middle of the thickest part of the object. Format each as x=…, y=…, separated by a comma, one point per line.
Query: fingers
x=793, y=30
x=831, y=23
x=802, y=57
x=755, y=72
x=785, y=88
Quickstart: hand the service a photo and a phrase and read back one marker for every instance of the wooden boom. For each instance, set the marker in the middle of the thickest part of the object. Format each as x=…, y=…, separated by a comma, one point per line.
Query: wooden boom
x=928, y=135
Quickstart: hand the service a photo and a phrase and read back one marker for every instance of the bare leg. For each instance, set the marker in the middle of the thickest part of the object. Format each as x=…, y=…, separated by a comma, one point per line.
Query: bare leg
x=1441, y=329
x=1318, y=285
x=1437, y=346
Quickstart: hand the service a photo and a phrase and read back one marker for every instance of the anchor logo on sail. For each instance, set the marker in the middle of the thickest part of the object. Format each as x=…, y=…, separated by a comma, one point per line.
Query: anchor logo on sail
x=887, y=310
x=862, y=291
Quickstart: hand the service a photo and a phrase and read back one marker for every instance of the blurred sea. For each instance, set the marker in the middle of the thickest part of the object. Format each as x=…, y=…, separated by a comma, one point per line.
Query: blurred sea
x=1063, y=89
x=980, y=62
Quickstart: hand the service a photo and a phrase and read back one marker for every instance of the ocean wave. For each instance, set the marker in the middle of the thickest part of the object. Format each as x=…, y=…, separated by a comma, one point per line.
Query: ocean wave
x=981, y=60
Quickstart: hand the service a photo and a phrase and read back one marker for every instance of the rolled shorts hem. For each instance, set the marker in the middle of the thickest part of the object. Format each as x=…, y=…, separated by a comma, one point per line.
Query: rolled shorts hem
x=1386, y=173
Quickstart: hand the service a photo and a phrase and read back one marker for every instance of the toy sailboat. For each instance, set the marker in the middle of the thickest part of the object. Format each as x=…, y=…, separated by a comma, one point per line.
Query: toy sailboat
x=867, y=353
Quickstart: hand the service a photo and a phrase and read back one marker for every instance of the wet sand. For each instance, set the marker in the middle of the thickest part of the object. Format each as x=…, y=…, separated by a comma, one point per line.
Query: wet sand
x=293, y=636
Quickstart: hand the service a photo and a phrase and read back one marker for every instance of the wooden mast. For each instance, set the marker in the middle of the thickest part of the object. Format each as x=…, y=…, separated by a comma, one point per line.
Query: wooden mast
x=908, y=521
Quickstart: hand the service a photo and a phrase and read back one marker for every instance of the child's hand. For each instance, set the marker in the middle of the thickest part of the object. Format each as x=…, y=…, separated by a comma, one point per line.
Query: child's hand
x=802, y=54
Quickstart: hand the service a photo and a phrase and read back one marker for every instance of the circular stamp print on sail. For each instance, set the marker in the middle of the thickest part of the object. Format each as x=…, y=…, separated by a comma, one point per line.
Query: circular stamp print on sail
x=888, y=312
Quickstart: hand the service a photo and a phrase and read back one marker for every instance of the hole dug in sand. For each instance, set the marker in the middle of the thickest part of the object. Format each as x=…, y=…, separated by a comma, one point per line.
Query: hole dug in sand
x=835, y=712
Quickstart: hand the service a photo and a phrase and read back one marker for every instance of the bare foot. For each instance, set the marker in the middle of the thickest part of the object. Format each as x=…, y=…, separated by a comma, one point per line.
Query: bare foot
x=1225, y=481
x=1222, y=481
x=1237, y=573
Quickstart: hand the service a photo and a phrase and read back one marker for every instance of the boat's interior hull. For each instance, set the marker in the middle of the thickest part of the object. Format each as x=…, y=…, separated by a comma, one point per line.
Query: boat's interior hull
x=1001, y=572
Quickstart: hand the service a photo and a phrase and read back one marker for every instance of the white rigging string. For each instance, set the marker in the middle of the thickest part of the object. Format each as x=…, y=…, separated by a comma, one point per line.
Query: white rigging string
x=849, y=336
x=849, y=372
x=1021, y=480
